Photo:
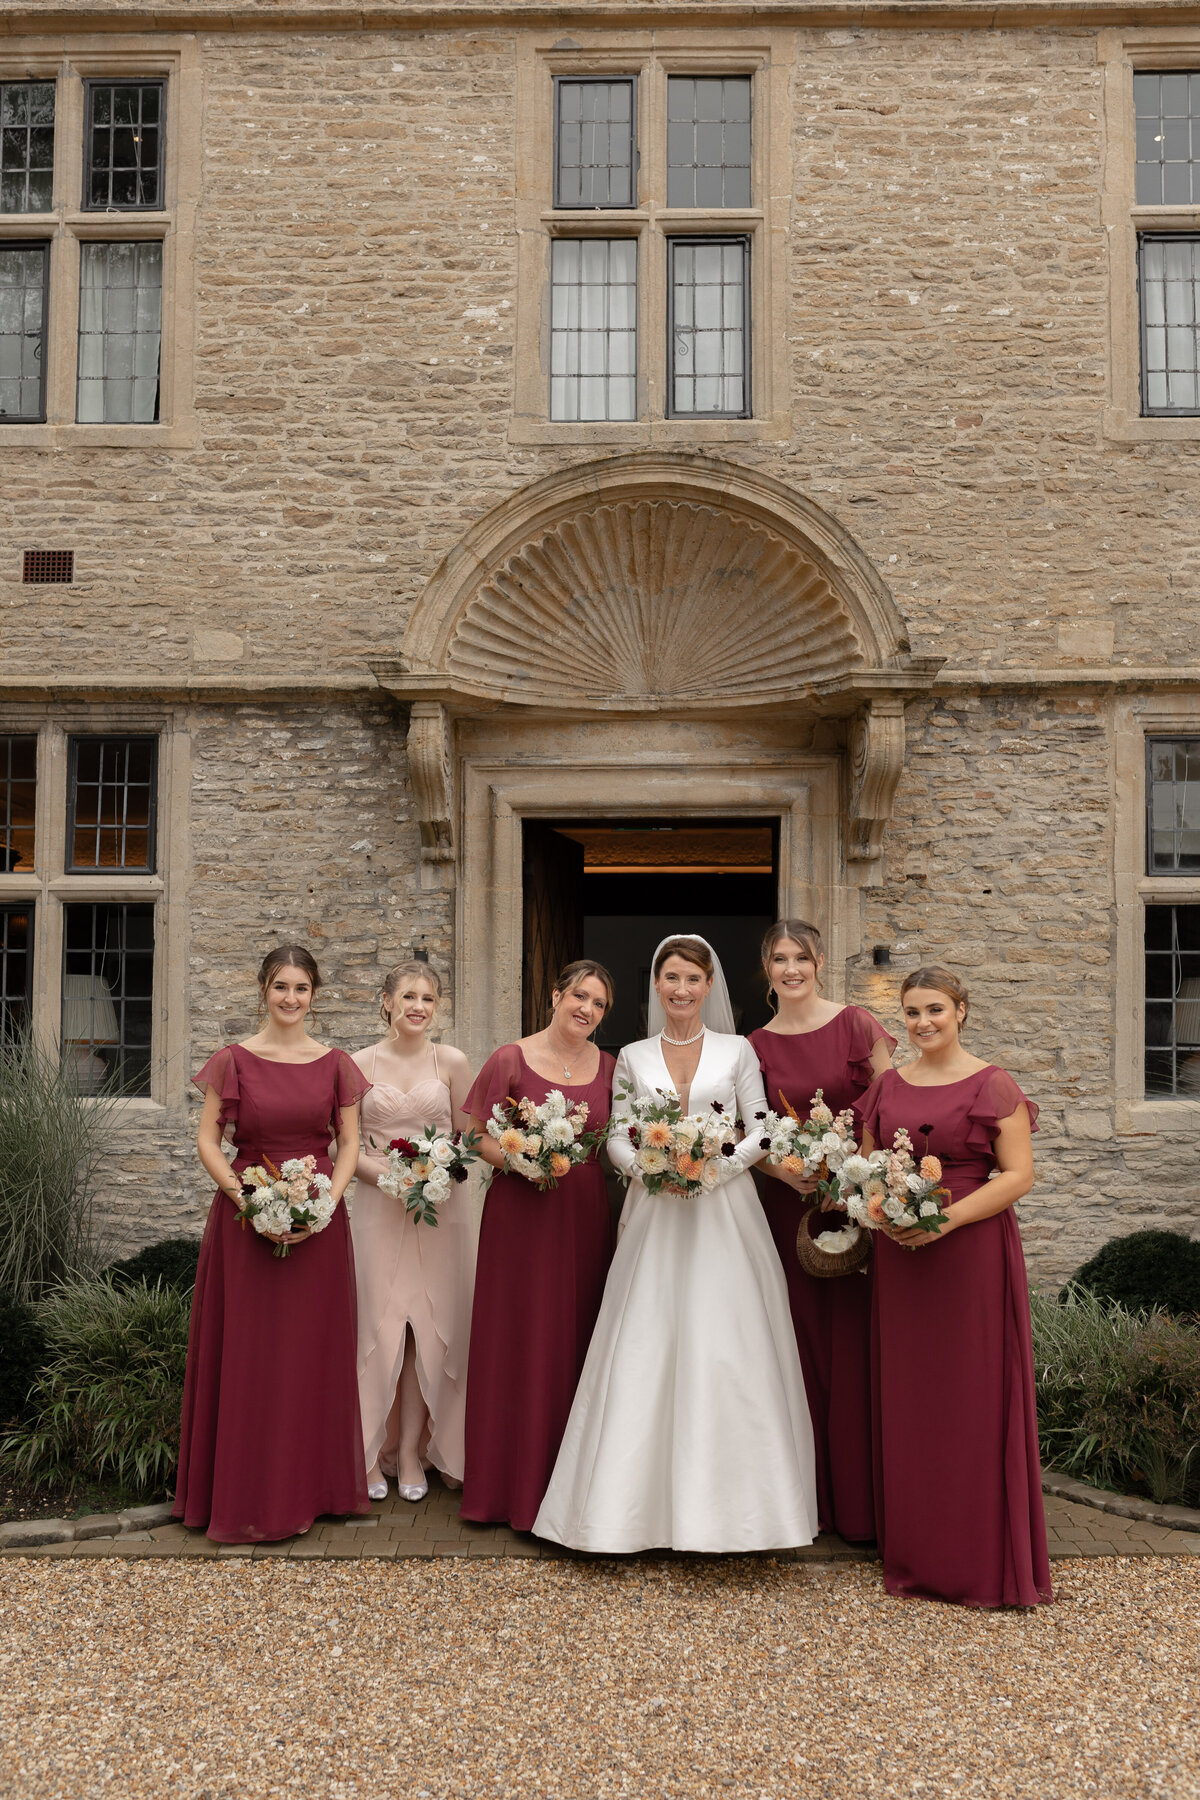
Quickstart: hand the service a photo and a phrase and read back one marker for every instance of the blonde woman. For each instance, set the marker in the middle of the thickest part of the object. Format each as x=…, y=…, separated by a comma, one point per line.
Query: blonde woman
x=414, y=1280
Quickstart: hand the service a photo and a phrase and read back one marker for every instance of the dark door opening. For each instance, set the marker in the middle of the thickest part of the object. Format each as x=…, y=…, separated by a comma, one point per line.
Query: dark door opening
x=613, y=889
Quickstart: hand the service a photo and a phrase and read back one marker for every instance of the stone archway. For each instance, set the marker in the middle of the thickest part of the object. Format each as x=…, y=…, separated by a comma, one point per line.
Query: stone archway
x=665, y=632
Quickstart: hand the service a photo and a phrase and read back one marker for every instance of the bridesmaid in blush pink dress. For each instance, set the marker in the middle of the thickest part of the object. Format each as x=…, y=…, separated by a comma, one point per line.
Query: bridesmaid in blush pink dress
x=543, y=1259
x=414, y=1280
x=813, y=1043
x=270, y=1436
x=958, y=1491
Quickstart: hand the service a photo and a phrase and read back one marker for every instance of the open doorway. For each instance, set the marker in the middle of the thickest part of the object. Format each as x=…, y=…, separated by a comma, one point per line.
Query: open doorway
x=612, y=889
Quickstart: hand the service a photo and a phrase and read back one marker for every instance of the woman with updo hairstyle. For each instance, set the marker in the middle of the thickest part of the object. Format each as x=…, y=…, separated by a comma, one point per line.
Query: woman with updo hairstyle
x=270, y=1438
x=813, y=1043
x=414, y=1280
x=958, y=1487
x=543, y=1257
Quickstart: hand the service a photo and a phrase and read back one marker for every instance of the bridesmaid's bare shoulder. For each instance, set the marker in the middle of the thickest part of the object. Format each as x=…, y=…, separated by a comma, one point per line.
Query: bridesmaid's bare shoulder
x=451, y=1057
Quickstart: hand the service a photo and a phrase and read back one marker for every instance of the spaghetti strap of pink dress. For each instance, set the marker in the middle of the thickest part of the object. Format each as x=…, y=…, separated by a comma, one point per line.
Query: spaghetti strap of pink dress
x=411, y=1277
x=831, y=1317
x=270, y=1437
x=958, y=1489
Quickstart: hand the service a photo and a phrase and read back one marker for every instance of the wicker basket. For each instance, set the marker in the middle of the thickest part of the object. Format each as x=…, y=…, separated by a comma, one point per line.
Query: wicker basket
x=824, y=1263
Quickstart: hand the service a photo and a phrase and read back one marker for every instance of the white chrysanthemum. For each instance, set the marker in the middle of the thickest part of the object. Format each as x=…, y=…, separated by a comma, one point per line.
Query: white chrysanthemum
x=554, y=1106
x=557, y=1132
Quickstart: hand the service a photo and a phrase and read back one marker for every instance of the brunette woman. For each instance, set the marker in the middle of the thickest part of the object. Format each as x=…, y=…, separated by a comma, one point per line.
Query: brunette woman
x=814, y=1043
x=543, y=1258
x=958, y=1491
x=271, y=1436
x=414, y=1280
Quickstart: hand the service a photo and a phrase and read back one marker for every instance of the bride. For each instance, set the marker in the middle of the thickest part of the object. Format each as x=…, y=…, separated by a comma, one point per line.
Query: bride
x=689, y=1429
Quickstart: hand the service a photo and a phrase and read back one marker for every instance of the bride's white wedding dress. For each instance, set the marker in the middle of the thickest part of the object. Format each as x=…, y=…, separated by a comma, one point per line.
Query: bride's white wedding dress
x=689, y=1429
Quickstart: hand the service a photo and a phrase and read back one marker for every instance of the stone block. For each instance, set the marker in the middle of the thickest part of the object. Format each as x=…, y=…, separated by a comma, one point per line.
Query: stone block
x=24, y=1534
x=145, y=1518
x=98, y=1525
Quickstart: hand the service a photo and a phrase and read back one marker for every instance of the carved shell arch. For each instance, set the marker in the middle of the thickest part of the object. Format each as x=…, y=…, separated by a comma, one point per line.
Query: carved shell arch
x=654, y=580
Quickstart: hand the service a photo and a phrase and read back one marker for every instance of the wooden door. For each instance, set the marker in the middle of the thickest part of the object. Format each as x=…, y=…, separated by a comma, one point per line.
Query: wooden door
x=552, y=891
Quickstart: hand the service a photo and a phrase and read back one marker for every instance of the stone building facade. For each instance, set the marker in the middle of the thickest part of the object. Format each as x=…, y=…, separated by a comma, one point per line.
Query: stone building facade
x=349, y=607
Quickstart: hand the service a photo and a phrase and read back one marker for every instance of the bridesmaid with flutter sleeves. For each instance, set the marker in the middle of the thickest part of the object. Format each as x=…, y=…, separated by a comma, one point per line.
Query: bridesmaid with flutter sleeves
x=542, y=1262
x=414, y=1279
x=270, y=1434
x=958, y=1492
x=813, y=1043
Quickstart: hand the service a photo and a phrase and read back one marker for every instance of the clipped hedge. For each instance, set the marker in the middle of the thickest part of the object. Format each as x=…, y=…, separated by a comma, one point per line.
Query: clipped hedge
x=171, y=1261
x=1145, y=1270
x=1118, y=1395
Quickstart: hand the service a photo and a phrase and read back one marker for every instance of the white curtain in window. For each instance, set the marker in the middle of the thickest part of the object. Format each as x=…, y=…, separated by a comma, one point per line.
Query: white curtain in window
x=120, y=333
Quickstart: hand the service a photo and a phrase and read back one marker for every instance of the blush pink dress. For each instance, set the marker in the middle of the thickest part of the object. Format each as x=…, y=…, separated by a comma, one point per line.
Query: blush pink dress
x=958, y=1487
x=832, y=1316
x=411, y=1277
x=270, y=1435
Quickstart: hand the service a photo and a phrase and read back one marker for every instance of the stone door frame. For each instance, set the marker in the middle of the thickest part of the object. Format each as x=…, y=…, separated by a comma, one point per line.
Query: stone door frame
x=610, y=781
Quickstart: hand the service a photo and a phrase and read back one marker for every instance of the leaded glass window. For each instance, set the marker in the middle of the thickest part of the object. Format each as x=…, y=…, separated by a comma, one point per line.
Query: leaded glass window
x=24, y=281
x=18, y=796
x=593, y=328
x=1173, y=806
x=108, y=995
x=16, y=969
x=708, y=285
x=124, y=137
x=1170, y=300
x=708, y=140
x=1173, y=1000
x=120, y=333
x=111, y=803
x=1167, y=109
x=26, y=146
x=595, y=139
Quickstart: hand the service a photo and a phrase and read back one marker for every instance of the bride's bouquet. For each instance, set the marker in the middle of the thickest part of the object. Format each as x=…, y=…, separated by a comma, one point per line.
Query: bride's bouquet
x=674, y=1149
x=423, y=1172
x=543, y=1142
x=890, y=1187
x=287, y=1198
x=817, y=1145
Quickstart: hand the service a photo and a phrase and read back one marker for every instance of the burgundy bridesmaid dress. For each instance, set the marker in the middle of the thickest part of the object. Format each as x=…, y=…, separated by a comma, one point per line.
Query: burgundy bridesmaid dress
x=539, y=1279
x=832, y=1317
x=271, y=1436
x=958, y=1487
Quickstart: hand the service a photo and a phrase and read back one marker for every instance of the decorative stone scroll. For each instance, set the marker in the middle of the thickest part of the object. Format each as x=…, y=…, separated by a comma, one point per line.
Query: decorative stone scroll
x=876, y=760
x=431, y=768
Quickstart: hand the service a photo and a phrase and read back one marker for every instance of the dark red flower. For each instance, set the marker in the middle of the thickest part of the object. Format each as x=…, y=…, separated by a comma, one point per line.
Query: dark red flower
x=405, y=1146
x=459, y=1172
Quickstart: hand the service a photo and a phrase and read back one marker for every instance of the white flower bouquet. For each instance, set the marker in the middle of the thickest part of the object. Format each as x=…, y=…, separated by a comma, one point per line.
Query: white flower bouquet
x=673, y=1149
x=817, y=1145
x=890, y=1188
x=287, y=1198
x=422, y=1171
x=543, y=1142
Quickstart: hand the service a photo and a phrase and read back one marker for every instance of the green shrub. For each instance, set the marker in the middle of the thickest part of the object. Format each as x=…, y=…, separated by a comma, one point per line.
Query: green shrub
x=22, y=1353
x=51, y=1145
x=171, y=1260
x=107, y=1402
x=1147, y=1269
x=1118, y=1395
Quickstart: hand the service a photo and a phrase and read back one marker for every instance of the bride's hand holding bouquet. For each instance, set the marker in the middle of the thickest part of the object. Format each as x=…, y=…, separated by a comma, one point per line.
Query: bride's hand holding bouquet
x=676, y=1152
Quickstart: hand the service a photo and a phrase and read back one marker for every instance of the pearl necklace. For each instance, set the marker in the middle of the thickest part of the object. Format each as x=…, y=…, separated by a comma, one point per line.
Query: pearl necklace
x=680, y=1043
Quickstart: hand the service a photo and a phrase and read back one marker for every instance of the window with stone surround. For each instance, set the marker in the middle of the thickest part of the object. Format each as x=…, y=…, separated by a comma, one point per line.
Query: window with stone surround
x=668, y=328
x=1171, y=929
x=98, y=183
x=1151, y=207
x=88, y=804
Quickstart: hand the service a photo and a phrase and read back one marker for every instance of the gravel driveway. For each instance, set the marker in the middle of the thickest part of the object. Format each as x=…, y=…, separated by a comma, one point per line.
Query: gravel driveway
x=230, y=1680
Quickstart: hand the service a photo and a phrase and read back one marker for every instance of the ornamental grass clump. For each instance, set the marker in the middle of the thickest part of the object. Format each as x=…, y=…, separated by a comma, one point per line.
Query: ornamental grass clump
x=52, y=1143
x=1118, y=1395
x=106, y=1404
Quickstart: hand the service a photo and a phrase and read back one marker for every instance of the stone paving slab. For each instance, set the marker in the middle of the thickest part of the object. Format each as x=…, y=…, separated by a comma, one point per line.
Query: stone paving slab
x=432, y=1528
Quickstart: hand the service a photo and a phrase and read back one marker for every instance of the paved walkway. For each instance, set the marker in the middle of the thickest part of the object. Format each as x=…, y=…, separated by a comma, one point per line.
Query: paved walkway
x=396, y=1529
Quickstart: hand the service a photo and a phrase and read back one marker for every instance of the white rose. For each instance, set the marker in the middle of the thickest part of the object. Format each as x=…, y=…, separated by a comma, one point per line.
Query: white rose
x=894, y=1208
x=928, y=1208
x=830, y=1141
x=685, y=1134
x=437, y=1186
x=441, y=1152
x=914, y=1183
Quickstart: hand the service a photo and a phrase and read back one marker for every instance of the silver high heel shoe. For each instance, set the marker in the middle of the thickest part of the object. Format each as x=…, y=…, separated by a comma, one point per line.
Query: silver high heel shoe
x=377, y=1490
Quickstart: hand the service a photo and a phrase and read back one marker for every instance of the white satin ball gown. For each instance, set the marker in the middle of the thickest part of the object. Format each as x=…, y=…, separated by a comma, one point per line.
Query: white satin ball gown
x=690, y=1429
